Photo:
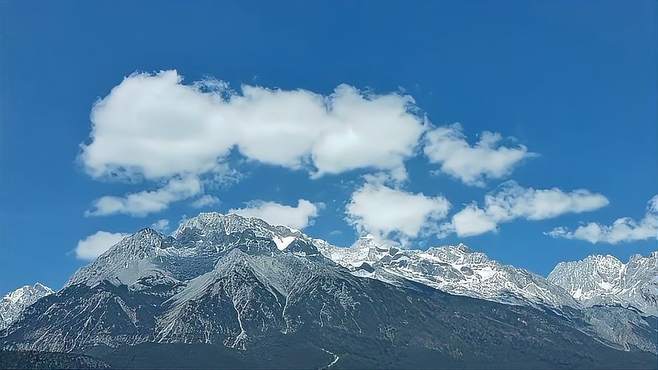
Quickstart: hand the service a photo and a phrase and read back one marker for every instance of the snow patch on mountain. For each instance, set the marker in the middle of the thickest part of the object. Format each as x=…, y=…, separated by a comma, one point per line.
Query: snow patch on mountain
x=283, y=243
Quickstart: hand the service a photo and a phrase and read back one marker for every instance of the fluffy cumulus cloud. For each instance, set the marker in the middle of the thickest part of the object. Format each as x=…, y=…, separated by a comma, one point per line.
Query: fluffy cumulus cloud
x=472, y=220
x=96, y=244
x=279, y=214
x=387, y=212
x=624, y=229
x=511, y=201
x=154, y=126
x=145, y=202
x=472, y=164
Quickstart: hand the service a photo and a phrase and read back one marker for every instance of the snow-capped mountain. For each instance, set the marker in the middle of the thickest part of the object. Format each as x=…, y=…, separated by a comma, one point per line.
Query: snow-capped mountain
x=242, y=284
x=605, y=280
x=230, y=282
x=13, y=304
x=199, y=242
x=193, y=249
x=454, y=269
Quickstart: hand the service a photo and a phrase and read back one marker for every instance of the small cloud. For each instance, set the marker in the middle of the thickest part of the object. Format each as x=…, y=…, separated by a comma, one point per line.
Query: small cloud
x=206, y=201
x=161, y=226
x=387, y=212
x=96, y=244
x=473, y=221
x=274, y=213
x=512, y=201
x=472, y=164
x=145, y=202
x=622, y=230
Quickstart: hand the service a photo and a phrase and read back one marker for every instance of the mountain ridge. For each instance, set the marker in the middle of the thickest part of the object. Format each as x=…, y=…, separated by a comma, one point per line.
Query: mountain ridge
x=605, y=280
x=227, y=281
x=454, y=269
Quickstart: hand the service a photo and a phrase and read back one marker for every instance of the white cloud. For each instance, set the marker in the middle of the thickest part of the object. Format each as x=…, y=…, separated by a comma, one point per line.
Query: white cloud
x=472, y=164
x=386, y=212
x=473, y=221
x=206, y=201
x=278, y=214
x=512, y=201
x=142, y=203
x=161, y=225
x=623, y=229
x=96, y=244
x=154, y=126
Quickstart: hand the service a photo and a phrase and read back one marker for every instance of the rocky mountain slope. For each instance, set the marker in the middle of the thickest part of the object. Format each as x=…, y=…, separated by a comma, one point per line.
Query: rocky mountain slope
x=13, y=304
x=194, y=249
x=269, y=293
x=605, y=280
x=454, y=269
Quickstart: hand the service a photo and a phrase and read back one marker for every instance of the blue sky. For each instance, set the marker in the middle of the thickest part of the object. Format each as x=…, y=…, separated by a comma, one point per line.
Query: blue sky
x=572, y=83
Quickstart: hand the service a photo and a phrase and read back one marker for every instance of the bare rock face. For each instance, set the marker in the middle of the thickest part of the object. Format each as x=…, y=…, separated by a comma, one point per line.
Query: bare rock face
x=605, y=280
x=193, y=250
x=454, y=269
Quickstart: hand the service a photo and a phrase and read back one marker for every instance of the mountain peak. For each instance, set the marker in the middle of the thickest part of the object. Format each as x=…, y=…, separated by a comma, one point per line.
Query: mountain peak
x=606, y=259
x=42, y=287
x=193, y=249
x=463, y=247
x=13, y=303
x=370, y=241
x=460, y=248
x=146, y=232
x=605, y=280
x=26, y=290
x=214, y=222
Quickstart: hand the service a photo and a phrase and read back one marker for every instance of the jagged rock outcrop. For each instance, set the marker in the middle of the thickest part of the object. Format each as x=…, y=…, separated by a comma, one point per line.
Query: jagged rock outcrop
x=454, y=269
x=605, y=280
